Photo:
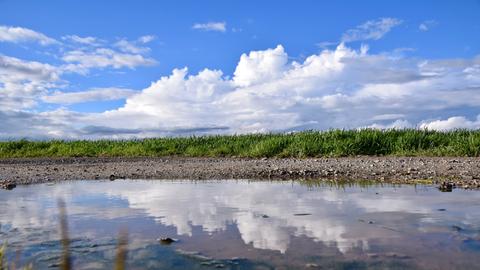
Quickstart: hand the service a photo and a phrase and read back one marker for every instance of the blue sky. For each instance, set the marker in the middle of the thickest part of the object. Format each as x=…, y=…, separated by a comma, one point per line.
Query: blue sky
x=112, y=52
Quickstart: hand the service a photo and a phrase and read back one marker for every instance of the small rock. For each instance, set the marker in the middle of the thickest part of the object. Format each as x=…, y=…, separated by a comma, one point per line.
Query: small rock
x=397, y=255
x=8, y=185
x=457, y=228
x=167, y=240
x=446, y=187
x=112, y=177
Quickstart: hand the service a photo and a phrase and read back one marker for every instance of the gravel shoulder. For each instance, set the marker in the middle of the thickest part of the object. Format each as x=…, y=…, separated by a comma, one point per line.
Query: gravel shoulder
x=461, y=171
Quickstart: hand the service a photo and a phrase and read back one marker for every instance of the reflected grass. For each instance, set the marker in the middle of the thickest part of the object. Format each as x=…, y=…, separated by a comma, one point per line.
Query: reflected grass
x=332, y=143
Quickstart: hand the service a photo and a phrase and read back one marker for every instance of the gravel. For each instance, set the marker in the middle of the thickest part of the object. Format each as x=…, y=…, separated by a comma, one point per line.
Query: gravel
x=461, y=171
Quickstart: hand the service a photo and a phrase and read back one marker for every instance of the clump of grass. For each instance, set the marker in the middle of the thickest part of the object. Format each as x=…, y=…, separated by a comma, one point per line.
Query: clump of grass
x=4, y=262
x=332, y=143
x=2, y=257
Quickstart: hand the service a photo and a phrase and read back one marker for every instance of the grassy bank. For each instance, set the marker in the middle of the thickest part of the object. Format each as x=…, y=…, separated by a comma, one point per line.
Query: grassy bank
x=304, y=144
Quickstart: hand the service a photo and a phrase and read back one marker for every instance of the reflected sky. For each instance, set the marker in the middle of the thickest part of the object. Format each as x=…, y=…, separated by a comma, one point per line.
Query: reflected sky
x=262, y=221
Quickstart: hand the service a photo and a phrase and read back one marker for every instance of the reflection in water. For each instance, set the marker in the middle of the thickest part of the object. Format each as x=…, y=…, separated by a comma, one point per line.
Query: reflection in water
x=271, y=222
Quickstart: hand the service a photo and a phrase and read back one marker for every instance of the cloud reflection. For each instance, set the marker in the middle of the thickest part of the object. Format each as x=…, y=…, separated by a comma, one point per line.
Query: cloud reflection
x=263, y=212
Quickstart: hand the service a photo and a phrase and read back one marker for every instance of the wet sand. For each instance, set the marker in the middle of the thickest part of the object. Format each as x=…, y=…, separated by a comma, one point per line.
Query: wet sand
x=459, y=170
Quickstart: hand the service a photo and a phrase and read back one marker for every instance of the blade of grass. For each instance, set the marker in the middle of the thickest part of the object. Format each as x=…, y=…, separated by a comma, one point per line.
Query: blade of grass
x=121, y=257
x=65, y=260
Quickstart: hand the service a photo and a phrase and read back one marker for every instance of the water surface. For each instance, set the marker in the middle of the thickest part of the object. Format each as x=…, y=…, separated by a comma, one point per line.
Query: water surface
x=244, y=225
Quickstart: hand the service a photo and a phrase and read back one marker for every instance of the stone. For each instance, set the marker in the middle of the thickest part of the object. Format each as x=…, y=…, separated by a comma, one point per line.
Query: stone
x=446, y=187
x=8, y=185
x=167, y=240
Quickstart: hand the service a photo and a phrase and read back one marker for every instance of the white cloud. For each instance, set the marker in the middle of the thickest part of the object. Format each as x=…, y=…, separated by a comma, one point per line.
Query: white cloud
x=456, y=122
x=130, y=47
x=211, y=26
x=146, y=38
x=105, y=57
x=397, y=124
x=260, y=66
x=374, y=30
x=326, y=45
x=92, y=41
x=427, y=25
x=96, y=94
x=98, y=53
x=388, y=116
x=341, y=88
x=21, y=82
x=338, y=88
x=20, y=34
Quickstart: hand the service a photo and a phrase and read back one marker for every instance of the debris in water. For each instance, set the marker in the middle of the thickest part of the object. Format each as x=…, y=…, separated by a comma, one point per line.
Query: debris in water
x=167, y=240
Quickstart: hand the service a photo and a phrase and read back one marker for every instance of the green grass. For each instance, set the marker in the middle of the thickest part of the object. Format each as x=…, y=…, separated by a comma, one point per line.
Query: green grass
x=333, y=143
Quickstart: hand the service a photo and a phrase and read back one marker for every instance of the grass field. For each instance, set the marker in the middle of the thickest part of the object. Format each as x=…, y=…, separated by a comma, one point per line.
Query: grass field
x=333, y=143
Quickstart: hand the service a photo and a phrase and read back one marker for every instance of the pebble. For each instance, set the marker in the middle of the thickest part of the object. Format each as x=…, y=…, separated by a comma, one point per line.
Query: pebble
x=8, y=185
x=167, y=240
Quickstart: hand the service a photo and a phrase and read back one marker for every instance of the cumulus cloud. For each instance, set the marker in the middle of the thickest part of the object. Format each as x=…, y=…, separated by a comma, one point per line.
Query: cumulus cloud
x=211, y=26
x=336, y=88
x=456, y=122
x=95, y=94
x=374, y=29
x=20, y=34
x=341, y=88
x=397, y=124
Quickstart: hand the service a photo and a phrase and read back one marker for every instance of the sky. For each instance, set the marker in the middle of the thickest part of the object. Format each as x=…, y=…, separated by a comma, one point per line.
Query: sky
x=133, y=69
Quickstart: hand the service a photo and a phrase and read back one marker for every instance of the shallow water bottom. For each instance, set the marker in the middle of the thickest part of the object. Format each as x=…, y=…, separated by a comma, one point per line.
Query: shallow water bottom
x=243, y=225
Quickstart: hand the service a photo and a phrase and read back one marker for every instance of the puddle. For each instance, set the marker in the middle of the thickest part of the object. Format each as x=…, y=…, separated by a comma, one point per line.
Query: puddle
x=244, y=225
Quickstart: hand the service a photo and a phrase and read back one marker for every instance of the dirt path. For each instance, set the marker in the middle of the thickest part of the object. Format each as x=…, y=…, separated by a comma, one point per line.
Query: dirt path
x=462, y=171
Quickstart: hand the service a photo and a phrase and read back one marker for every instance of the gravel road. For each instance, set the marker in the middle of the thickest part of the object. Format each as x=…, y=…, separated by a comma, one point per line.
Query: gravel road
x=463, y=172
